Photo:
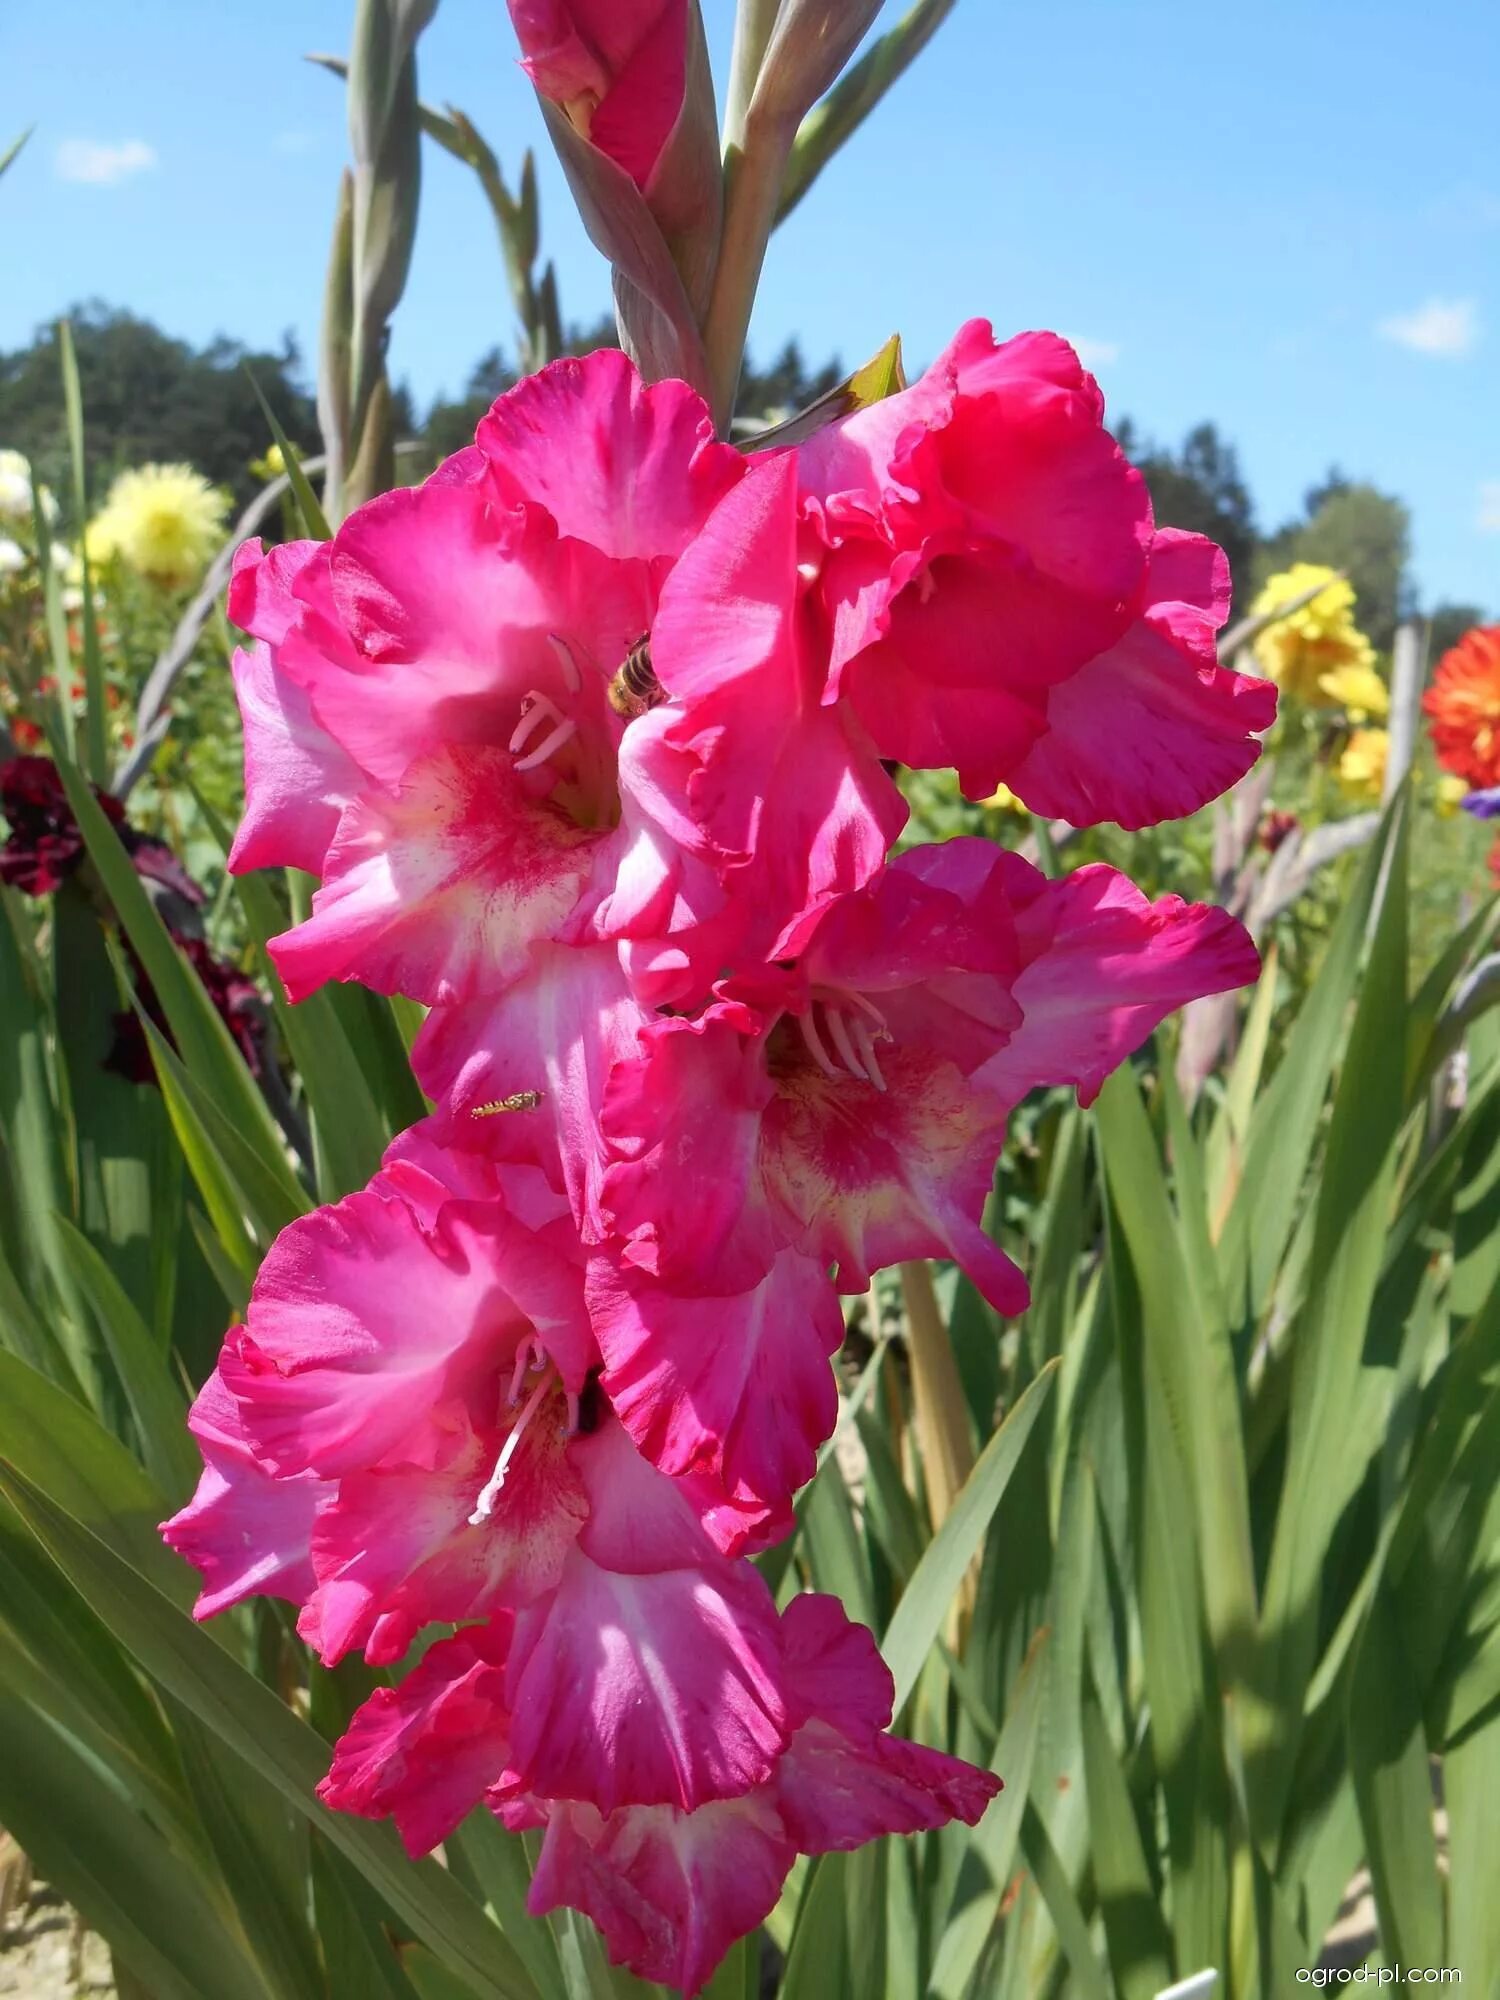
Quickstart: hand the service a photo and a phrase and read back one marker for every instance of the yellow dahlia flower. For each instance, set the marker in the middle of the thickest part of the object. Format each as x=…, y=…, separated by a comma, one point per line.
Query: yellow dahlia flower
x=1320, y=638
x=163, y=521
x=1361, y=769
x=1358, y=690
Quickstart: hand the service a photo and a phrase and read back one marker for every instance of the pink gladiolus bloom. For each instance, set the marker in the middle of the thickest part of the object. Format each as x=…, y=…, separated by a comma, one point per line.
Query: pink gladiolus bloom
x=670, y=1889
x=825, y=1107
x=414, y=1434
x=431, y=720
x=617, y=68
x=851, y=1105
x=1000, y=602
x=782, y=795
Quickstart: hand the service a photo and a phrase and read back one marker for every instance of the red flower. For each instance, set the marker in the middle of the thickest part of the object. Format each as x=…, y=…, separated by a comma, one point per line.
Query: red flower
x=1463, y=705
x=1275, y=828
x=44, y=845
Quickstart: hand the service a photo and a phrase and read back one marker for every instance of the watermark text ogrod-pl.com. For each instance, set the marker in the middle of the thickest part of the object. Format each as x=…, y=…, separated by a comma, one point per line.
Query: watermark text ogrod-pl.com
x=1379, y=1975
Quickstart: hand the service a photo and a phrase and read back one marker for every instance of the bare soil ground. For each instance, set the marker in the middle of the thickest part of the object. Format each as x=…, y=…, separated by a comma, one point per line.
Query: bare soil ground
x=43, y=1957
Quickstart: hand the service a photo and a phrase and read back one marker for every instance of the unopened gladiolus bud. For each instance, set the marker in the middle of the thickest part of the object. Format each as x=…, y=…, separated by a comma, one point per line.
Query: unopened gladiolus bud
x=631, y=81
x=810, y=44
x=617, y=68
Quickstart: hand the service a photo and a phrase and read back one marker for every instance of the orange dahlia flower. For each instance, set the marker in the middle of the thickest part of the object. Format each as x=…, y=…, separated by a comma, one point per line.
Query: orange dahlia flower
x=1463, y=706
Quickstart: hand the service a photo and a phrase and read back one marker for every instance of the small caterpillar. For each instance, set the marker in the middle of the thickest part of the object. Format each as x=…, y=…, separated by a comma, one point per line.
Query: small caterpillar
x=635, y=688
x=521, y=1100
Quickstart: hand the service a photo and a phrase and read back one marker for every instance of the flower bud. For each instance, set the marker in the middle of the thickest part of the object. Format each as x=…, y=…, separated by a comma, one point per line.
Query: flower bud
x=631, y=79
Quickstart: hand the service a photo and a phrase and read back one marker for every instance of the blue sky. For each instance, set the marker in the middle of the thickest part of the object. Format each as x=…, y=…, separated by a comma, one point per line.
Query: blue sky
x=1285, y=218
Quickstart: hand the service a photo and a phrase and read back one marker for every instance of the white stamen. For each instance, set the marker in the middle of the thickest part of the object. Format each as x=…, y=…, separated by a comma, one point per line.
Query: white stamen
x=484, y=1506
x=867, y=1007
x=535, y=710
x=553, y=740
x=531, y=1354
x=838, y=1027
x=814, y=1043
x=866, y=1042
x=566, y=661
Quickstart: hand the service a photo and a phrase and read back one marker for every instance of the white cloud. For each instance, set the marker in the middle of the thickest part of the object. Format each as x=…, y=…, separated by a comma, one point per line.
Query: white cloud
x=101, y=164
x=1448, y=328
x=1488, y=518
x=1093, y=353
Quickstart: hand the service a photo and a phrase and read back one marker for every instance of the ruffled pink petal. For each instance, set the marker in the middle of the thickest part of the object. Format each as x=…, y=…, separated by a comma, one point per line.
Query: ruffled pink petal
x=647, y=1689
x=986, y=539
x=417, y=1169
x=553, y=1037
x=442, y=891
x=1152, y=728
x=833, y=1668
x=740, y=1386
x=682, y=1125
x=262, y=596
x=671, y=1891
x=425, y=1753
x=962, y=672
x=397, y=1550
x=247, y=1532
x=632, y=469
x=297, y=779
x=787, y=796
x=843, y=1781
x=1102, y=968
x=450, y=602
x=833, y=1793
x=361, y=1321
x=728, y=1145
x=1027, y=459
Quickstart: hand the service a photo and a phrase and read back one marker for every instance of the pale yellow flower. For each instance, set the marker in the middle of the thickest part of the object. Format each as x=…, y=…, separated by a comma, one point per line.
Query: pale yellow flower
x=1318, y=639
x=163, y=521
x=1361, y=769
x=1358, y=690
x=1451, y=793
